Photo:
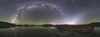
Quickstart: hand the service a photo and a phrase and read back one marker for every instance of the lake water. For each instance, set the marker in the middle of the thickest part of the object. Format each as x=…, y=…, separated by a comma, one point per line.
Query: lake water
x=32, y=32
x=29, y=32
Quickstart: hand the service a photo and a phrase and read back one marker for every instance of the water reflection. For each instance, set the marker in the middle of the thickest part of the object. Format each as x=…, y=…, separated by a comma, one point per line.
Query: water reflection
x=29, y=32
x=13, y=30
x=39, y=32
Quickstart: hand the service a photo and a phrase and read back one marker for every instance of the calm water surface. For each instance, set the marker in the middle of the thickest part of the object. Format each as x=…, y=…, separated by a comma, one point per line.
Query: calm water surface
x=33, y=32
x=29, y=32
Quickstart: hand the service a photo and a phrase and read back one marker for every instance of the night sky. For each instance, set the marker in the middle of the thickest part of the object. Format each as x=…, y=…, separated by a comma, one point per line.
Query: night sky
x=50, y=11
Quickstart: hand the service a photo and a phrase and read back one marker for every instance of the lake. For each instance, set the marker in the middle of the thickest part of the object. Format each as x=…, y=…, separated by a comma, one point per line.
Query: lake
x=33, y=32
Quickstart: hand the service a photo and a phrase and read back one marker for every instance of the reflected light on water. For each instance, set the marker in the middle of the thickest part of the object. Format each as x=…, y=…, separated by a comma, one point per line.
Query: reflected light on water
x=13, y=30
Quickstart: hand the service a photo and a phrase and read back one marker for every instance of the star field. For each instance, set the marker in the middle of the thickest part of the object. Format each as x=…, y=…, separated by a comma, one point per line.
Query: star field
x=71, y=11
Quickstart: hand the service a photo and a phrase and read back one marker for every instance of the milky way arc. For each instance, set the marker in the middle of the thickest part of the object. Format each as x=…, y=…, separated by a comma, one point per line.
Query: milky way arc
x=22, y=9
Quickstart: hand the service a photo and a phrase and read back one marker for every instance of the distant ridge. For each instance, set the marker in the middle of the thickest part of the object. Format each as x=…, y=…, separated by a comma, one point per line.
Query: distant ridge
x=6, y=24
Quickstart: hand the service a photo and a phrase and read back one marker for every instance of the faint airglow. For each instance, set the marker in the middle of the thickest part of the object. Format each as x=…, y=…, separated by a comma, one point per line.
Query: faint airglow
x=67, y=23
x=74, y=20
x=71, y=23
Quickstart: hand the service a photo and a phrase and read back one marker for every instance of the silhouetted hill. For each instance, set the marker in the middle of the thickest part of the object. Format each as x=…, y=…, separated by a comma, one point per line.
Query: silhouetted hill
x=6, y=24
x=47, y=25
x=96, y=24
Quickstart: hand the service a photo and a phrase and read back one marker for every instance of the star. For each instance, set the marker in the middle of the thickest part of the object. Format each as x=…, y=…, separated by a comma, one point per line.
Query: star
x=73, y=0
x=69, y=9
